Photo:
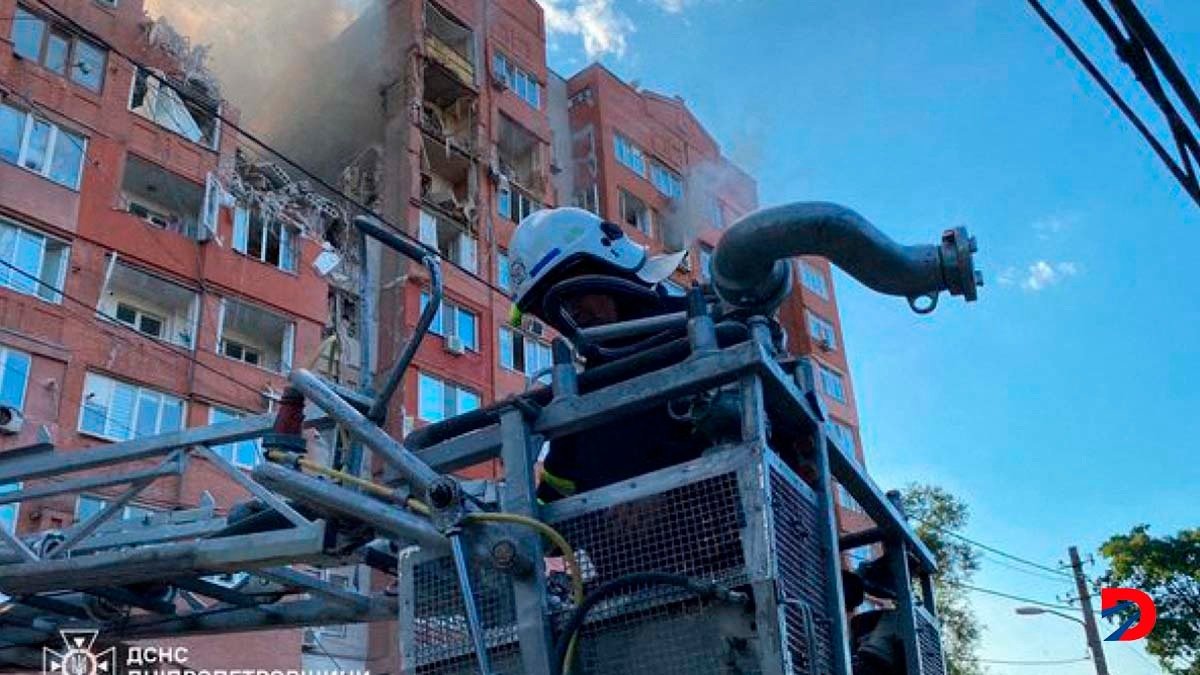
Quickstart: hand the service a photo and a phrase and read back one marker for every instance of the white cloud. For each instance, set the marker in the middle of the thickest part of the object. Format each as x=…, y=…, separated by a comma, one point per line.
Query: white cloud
x=1049, y=227
x=603, y=29
x=1042, y=274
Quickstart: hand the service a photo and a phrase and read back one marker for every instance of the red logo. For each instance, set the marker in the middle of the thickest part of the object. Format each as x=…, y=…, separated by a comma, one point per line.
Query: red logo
x=1134, y=608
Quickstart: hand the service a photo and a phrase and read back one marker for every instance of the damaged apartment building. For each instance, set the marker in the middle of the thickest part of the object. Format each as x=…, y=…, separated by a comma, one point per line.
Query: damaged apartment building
x=158, y=272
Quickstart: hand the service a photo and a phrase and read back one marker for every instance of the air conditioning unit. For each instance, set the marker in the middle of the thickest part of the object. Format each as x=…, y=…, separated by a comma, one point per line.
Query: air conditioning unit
x=498, y=82
x=535, y=328
x=454, y=345
x=825, y=344
x=11, y=420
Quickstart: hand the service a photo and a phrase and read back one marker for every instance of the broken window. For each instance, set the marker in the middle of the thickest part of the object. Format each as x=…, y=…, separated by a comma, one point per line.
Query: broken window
x=522, y=353
x=514, y=204
x=821, y=330
x=446, y=181
x=634, y=213
x=39, y=40
x=520, y=155
x=41, y=146
x=451, y=240
x=162, y=198
x=149, y=304
x=34, y=264
x=449, y=43
x=265, y=238
x=188, y=113
x=255, y=336
x=119, y=411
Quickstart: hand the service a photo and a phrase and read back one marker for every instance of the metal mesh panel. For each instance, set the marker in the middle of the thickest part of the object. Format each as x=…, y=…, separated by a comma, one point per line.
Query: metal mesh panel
x=929, y=637
x=801, y=576
x=693, y=530
x=441, y=640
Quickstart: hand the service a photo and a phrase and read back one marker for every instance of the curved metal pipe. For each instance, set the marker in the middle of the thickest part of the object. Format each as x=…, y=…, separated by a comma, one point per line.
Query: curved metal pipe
x=750, y=268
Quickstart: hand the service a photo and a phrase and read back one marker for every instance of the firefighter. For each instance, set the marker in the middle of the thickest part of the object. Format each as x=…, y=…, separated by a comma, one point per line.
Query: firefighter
x=573, y=270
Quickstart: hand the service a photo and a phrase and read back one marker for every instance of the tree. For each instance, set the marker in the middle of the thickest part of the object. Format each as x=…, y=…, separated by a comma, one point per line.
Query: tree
x=1168, y=569
x=933, y=512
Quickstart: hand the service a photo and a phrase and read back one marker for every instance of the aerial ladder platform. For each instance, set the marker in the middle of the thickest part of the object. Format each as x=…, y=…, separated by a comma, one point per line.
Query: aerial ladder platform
x=729, y=563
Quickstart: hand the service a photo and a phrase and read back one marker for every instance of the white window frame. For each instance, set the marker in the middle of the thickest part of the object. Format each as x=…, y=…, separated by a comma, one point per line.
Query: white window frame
x=154, y=86
x=51, y=147
x=289, y=235
x=821, y=329
x=138, y=315
x=286, y=347
x=51, y=27
x=215, y=411
x=814, y=279
x=466, y=253
x=667, y=182
x=705, y=262
x=443, y=384
x=138, y=391
x=646, y=224
x=844, y=435
x=128, y=512
x=521, y=82
x=506, y=356
x=7, y=354
x=39, y=289
x=452, y=309
x=503, y=273
x=629, y=155
x=829, y=375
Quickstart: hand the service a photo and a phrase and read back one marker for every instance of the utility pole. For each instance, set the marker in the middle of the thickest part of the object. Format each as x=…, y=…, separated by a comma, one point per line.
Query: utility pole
x=1089, y=617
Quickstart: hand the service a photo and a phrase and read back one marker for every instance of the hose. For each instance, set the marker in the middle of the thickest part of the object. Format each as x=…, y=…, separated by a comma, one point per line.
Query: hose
x=705, y=591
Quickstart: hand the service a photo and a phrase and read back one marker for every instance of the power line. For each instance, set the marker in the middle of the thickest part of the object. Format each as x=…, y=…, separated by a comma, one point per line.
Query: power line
x=994, y=550
x=216, y=113
x=1054, y=662
x=1010, y=596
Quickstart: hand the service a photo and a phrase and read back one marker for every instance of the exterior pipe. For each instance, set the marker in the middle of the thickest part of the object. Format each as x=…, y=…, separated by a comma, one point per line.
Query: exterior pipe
x=415, y=472
x=751, y=269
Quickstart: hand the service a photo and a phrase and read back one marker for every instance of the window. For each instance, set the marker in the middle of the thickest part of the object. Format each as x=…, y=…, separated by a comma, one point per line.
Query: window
x=149, y=304
x=814, y=279
x=32, y=263
x=438, y=399
x=451, y=239
x=454, y=321
x=822, y=331
x=831, y=383
x=514, y=204
x=8, y=512
x=503, y=278
x=845, y=437
x=119, y=411
x=667, y=181
x=255, y=336
x=144, y=322
x=705, y=263
x=41, y=146
x=191, y=114
x=37, y=39
x=14, y=375
x=522, y=83
x=523, y=353
x=716, y=212
x=244, y=453
x=166, y=200
x=87, y=506
x=634, y=213
x=264, y=238
x=588, y=199
x=629, y=154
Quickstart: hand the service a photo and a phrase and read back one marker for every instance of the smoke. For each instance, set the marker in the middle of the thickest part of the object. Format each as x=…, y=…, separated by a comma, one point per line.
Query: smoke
x=286, y=65
x=706, y=184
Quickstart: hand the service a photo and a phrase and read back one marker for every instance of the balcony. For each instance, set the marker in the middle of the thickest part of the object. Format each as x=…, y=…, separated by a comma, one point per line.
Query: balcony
x=255, y=336
x=449, y=44
x=446, y=181
x=519, y=156
x=149, y=304
x=452, y=239
x=162, y=199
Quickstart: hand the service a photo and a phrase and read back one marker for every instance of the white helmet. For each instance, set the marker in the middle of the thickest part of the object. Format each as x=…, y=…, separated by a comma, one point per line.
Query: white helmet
x=549, y=240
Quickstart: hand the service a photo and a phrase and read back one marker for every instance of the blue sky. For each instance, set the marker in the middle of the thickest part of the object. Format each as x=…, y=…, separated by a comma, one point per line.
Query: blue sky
x=1061, y=406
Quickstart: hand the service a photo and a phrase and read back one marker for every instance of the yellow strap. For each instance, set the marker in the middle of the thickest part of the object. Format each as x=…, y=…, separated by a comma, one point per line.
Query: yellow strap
x=564, y=486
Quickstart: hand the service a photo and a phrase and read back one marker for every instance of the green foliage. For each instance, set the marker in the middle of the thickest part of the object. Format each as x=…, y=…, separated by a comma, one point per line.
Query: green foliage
x=933, y=511
x=1168, y=569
